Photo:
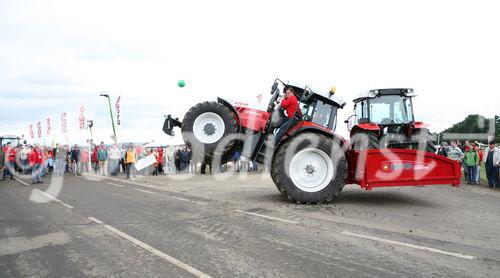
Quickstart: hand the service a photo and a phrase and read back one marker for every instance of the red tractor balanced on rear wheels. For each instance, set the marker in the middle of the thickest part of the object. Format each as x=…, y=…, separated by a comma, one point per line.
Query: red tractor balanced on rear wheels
x=308, y=164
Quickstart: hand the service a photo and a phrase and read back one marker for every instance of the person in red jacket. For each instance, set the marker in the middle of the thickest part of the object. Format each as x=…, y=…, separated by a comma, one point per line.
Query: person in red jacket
x=93, y=159
x=10, y=158
x=159, y=160
x=35, y=159
x=290, y=105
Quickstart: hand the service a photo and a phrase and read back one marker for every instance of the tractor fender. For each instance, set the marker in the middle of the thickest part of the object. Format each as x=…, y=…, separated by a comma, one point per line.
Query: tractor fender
x=230, y=107
x=321, y=130
x=366, y=127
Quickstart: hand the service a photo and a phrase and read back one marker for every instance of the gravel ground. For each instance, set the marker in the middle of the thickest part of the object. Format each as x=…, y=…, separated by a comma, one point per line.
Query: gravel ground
x=240, y=226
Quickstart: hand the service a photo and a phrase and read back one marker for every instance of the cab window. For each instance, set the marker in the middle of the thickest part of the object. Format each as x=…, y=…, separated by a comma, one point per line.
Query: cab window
x=390, y=109
x=322, y=114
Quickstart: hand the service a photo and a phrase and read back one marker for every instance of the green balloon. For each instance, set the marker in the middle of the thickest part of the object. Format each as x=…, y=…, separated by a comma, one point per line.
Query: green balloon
x=181, y=83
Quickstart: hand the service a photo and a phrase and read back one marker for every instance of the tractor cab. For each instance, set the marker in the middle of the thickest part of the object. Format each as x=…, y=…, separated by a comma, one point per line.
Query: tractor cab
x=321, y=108
x=317, y=112
x=385, y=108
x=316, y=106
x=385, y=118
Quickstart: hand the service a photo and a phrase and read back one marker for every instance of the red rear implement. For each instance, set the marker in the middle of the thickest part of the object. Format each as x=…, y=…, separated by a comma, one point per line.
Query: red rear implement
x=400, y=167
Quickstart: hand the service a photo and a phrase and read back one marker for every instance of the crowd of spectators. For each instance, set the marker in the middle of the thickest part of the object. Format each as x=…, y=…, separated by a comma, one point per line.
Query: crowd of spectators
x=471, y=157
x=26, y=159
x=40, y=161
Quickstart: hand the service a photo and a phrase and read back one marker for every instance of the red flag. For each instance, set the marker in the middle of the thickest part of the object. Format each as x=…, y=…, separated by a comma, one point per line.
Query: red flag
x=81, y=118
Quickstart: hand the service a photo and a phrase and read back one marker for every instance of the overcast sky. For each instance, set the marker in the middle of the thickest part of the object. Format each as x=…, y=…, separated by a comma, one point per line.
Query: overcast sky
x=56, y=56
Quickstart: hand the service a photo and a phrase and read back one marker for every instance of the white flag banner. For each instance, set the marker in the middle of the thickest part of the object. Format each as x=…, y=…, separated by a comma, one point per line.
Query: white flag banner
x=117, y=107
x=64, y=124
x=32, y=134
x=49, y=126
x=39, y=129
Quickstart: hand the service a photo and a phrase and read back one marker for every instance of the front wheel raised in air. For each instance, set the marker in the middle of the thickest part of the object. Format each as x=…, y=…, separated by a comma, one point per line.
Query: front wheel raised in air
x=310, y=168
x=205, y=126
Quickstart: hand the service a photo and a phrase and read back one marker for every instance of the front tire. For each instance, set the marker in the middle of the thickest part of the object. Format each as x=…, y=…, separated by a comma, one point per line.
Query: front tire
x=310, y=169
x=364, y=140
x=204, y=126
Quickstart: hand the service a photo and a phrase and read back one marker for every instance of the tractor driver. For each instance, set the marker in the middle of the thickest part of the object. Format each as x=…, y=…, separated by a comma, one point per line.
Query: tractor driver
x=290, y=105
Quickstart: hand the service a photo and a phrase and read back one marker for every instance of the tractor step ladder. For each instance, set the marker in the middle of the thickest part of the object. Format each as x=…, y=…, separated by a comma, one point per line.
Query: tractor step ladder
x=266, y=150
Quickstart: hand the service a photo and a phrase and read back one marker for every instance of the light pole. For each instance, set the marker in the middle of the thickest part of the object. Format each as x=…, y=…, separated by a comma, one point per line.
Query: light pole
x=111, y=114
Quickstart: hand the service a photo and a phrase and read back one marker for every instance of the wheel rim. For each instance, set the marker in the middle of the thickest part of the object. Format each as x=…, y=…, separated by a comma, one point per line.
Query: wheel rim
x=311, y=170
x=208, y=128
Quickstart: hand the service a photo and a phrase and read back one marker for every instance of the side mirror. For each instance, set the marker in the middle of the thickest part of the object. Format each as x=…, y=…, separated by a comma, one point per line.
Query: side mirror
x=351, y=122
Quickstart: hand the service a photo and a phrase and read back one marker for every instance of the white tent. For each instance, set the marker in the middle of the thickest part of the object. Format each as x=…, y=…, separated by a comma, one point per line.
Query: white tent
x=165, y=141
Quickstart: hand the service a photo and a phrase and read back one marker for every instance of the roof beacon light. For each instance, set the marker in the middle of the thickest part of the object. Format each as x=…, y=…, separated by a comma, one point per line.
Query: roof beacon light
x=410, y=93
x=333, y=90
x=372, y=93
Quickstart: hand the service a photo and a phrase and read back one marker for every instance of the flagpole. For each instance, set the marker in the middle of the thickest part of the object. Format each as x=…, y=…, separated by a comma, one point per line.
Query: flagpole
x=110, y=114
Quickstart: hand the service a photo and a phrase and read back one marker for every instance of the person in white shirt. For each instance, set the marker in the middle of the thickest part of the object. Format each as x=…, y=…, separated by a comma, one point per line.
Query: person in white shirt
x=455, y=153
x=491, y=159
x=25, y=151
x=114, y=160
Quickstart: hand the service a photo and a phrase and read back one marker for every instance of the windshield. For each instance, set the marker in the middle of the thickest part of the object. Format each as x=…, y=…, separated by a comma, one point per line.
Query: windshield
x=390, y=109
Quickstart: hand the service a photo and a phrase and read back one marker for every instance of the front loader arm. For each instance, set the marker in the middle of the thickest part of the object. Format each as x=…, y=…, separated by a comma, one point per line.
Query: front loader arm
x=169, y=125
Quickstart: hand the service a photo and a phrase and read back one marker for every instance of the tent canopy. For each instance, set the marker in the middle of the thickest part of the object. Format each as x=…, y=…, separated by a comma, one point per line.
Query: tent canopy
x=165, y=141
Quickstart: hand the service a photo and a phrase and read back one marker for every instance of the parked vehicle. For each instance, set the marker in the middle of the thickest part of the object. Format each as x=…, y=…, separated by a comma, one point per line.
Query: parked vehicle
x=14, y=140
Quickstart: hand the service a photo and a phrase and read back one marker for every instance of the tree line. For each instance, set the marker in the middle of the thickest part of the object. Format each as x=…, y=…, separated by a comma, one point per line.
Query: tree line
x=473, y=127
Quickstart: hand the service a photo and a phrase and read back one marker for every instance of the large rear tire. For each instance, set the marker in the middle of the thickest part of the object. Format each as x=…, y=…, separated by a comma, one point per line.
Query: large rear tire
x=425, y=140
x=310, y=169
x=206, y=125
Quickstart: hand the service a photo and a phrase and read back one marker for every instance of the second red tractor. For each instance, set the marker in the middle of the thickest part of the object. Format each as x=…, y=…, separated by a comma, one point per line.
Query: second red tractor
x=384, y=119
